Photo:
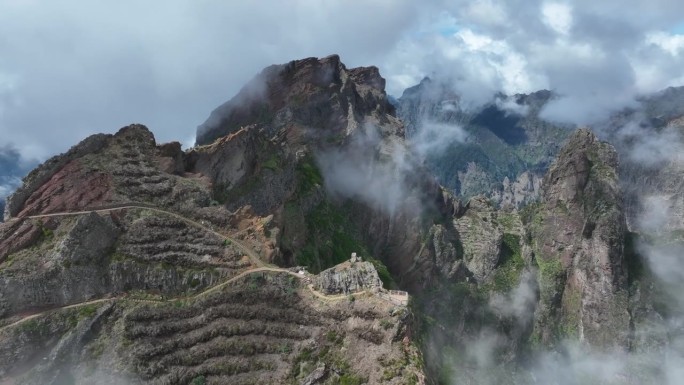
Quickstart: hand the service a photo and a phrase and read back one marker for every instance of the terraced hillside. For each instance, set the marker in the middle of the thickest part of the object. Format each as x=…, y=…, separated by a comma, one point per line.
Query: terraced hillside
x=59, y=260
x=107, y=170
x=263, y=327
x=141, y=295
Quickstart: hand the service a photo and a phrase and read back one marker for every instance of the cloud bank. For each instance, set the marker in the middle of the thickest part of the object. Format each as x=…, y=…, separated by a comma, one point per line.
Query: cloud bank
x=72, y=69
x=597, y=56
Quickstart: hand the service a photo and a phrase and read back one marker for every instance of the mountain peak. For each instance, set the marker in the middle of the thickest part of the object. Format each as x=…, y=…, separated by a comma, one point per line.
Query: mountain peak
x=309, y=93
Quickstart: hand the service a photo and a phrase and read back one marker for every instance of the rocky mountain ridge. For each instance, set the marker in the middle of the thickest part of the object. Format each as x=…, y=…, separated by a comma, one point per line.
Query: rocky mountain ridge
x=152, y=200
x=307, y=164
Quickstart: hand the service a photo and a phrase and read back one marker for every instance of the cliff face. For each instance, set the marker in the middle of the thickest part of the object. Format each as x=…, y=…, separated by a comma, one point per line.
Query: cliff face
x=578, y=238
x=319, y=95
x=349, y=278
x=317, y=134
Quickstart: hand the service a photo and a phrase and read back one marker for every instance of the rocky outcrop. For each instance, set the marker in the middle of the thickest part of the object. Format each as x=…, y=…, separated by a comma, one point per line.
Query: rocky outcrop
x=71, y=269
x=247, y=169
x=65, y=261
x=347, y=278
x=42, y=174
x=16, y=236
x=481, y=238
x=70, y=189
x=578, y=234
x=106, y=170
x=303, y=95
x=171, y=158
x=525, y=189
x=288, y=145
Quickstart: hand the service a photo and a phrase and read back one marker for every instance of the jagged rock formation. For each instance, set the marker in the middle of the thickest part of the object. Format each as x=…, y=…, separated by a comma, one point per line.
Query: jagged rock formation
x=285, y=146
x=321, y=95
x=578, y=237
x=42, y=174
x=348, y=278
x=525, y=189
x=481, y=237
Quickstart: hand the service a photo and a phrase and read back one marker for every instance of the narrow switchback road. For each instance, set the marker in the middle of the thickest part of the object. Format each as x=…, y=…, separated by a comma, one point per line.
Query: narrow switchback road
x=261, y=266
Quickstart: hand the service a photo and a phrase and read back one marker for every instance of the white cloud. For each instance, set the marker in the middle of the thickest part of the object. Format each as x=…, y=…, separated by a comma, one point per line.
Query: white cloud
x=78, y=68
x=486, y=12
x=558, y=16
x=94, y=67
x=509, y=105
x=673, y=44
x=598, y=56
x=433, y=138
x=8, y=185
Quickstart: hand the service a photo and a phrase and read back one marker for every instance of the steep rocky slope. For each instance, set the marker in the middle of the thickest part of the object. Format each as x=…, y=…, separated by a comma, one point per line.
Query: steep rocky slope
x=578, y=237
x=181, y=275
x=149, y=288
x=524, y=281
x=90, y=297
x=318, y=161
x=262, y=328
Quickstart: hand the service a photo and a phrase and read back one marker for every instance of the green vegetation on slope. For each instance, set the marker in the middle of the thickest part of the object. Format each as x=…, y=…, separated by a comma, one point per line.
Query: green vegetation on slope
x=309, y=176
x=331, y=239
x=511, y=265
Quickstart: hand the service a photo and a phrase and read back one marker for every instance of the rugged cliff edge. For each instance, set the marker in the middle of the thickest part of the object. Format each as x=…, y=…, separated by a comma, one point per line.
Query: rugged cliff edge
x=578, y=237
x=181, y=275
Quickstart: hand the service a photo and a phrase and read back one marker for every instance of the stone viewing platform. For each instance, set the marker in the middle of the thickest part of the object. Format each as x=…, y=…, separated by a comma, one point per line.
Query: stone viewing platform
x=397, y=297
x=355, y=276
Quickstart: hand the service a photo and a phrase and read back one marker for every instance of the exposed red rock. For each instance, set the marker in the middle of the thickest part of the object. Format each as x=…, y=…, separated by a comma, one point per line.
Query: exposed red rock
x=71, y=188
x=16, y=235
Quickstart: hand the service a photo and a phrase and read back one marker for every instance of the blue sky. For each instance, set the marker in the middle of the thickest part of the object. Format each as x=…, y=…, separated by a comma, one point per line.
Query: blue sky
x=678, y=29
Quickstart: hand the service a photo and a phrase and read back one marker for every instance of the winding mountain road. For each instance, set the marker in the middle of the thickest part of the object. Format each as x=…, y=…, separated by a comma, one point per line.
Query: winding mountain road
x=261, y=266
x=248, y=251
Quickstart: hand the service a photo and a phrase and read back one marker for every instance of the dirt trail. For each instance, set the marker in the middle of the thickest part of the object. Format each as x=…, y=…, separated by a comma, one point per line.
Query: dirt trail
x=75, y=305
x=200, y=294
x=252, y=255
